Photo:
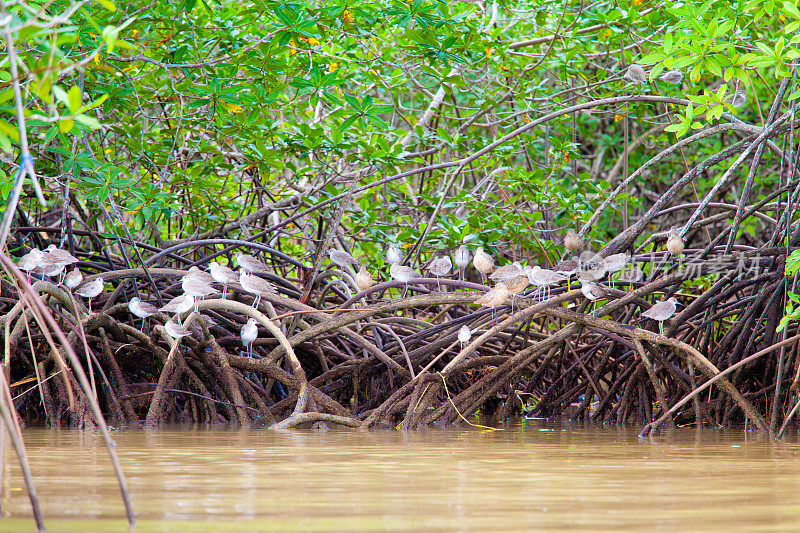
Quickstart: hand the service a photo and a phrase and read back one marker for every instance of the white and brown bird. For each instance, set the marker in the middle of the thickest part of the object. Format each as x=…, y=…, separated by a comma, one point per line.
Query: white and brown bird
x=462, y=258
x=202, y=275
x=176, y=331
x=223, y=275
x=90, y=290
x=179, y=304
x=249, y=263
x=673, y=77
x=197, y=288
x=403, y=274
x=142, y=309
x=572, y=241
x=393, y=255
x=568, y=268
x=614, y=263
x=592, y=292
x=61, y=256
x=482, y=262
x=249, y=335
x=31, y=261
x=341, y=258
x=494, y=298
x=73, y=278
x=256, y=286
x=440, y=267
x=662, y=311
x=515, y=286
x=363, y=279
x=636, y=74
x=464, y=335
x=507, y=272
x=544, y=278
x=674, y=242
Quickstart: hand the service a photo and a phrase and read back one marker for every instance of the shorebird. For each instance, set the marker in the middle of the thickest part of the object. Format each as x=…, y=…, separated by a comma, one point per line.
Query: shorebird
x=738, y=99
x=568, y=268
x=507, y=272
x=255, y=285
x=61, y=256
x=249, y=334
x=464, y=335
x=90, y=290
x=223, y=275
x=73, y=278
x=572, y=241
x=461, y=258
x=30, y=261
x=674, y=242
x=403, y=274
x=614, y=263
x=515, y=286
x=673, y=77
x=494, y=298
x=636, y=74
x=176, y=331
x=201, y=275
x=482, y=262
x=440, y=267
x=179, y=304
x=544, y=278
x=142, y=309
x=661, y=311
x=342, y=259
x=50, y=270
x=250, y=263
x=592, y=292
x=393, y=255
x=363, y=279
x=196, y=288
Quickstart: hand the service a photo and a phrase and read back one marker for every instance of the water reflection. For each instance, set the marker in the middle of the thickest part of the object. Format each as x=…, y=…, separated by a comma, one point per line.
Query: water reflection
x=533, y=476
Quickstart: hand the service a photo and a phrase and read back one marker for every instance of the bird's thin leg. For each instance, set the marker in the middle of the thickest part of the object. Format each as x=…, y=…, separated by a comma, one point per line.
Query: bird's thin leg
x=224, y=290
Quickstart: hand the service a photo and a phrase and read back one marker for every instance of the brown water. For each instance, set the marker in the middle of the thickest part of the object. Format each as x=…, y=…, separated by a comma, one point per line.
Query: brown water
x=530, y=477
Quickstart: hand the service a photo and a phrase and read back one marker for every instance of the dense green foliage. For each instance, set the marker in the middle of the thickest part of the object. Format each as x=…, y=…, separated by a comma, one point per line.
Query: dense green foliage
x=212, y=110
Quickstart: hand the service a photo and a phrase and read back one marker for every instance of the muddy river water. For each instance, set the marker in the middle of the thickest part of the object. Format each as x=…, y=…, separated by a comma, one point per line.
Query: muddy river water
x=530, y=476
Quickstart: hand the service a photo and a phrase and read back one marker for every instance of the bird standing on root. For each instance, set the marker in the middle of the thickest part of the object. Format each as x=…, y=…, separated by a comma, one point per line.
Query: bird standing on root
x=403, y=274
x=342, y=259
x=223, y=275
x=592, y=292
x=255, y=285
x=572, y=241
x=544, y=278
x=179, y=304
x=249, y=334
x=440, y=267
x=393, y=255
x=196, y=288
x=73, y=278
x=674, y=242
x=494, y=298
x=661, y=311
x=461, y=258
x=141, y=309
x=176, y=331
x=614, y=263
x=507, y=272
x=90, y=290
x=483, y=263
x=250, y=263
x=363, y=279
x=515, y=286
x=568, y=268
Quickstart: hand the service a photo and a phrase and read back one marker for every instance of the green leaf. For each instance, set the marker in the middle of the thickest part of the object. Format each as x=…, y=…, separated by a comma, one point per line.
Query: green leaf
x=74, y=98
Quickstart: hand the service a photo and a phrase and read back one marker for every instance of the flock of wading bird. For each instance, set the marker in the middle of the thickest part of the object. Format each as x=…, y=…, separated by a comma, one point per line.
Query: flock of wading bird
x=511, y=280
